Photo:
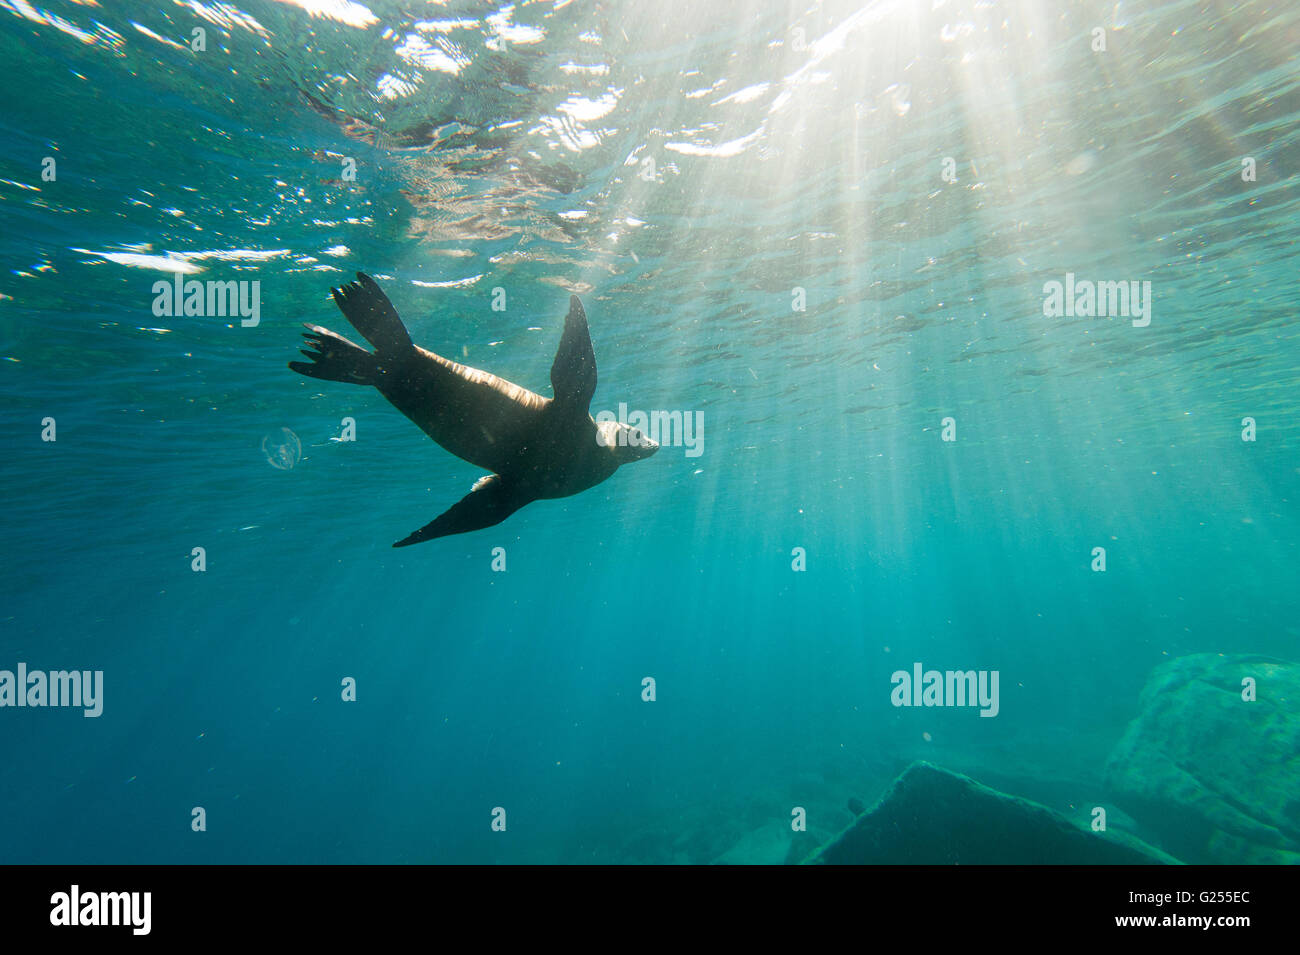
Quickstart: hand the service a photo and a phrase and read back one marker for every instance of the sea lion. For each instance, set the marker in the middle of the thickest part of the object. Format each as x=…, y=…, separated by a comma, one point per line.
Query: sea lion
x=535, y=447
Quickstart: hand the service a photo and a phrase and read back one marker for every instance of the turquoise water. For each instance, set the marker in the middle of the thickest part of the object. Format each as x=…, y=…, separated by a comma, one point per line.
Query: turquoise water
x=693, y=171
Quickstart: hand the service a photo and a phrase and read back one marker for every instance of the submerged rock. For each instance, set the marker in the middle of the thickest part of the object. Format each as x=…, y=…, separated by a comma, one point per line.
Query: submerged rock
x=1215, y=776
x=768, y=845
x=931, y=816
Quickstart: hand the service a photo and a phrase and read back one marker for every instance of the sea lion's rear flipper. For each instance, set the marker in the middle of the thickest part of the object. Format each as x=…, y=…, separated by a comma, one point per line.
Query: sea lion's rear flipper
x=365, y=305
x=573, y=373
x=489, y=502
x=334, y=358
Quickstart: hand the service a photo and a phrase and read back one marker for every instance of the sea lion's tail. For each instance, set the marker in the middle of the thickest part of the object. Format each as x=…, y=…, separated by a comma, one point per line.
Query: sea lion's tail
x=365, y=305
x=336, y=359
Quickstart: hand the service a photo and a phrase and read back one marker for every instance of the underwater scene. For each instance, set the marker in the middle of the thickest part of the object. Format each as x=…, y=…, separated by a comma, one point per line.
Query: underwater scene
x=596, y=431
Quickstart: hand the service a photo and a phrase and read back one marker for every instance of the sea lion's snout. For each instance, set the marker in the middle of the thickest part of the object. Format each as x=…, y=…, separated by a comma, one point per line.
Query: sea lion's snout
x=641, y=444
x=629, y=444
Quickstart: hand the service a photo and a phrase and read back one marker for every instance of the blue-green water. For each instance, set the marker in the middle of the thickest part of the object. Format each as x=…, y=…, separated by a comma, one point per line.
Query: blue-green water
x=694, y=171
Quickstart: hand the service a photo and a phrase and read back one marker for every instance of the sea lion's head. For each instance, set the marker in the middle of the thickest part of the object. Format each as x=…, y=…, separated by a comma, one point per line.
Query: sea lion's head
x=627, y=443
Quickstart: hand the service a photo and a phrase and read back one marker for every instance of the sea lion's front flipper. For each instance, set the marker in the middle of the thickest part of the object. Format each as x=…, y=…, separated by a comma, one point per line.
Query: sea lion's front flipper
x=490, y=501
x=573, y=373
x=365, y=305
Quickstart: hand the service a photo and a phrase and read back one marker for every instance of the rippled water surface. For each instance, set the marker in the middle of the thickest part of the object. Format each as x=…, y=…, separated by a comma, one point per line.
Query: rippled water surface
x=826, y=227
